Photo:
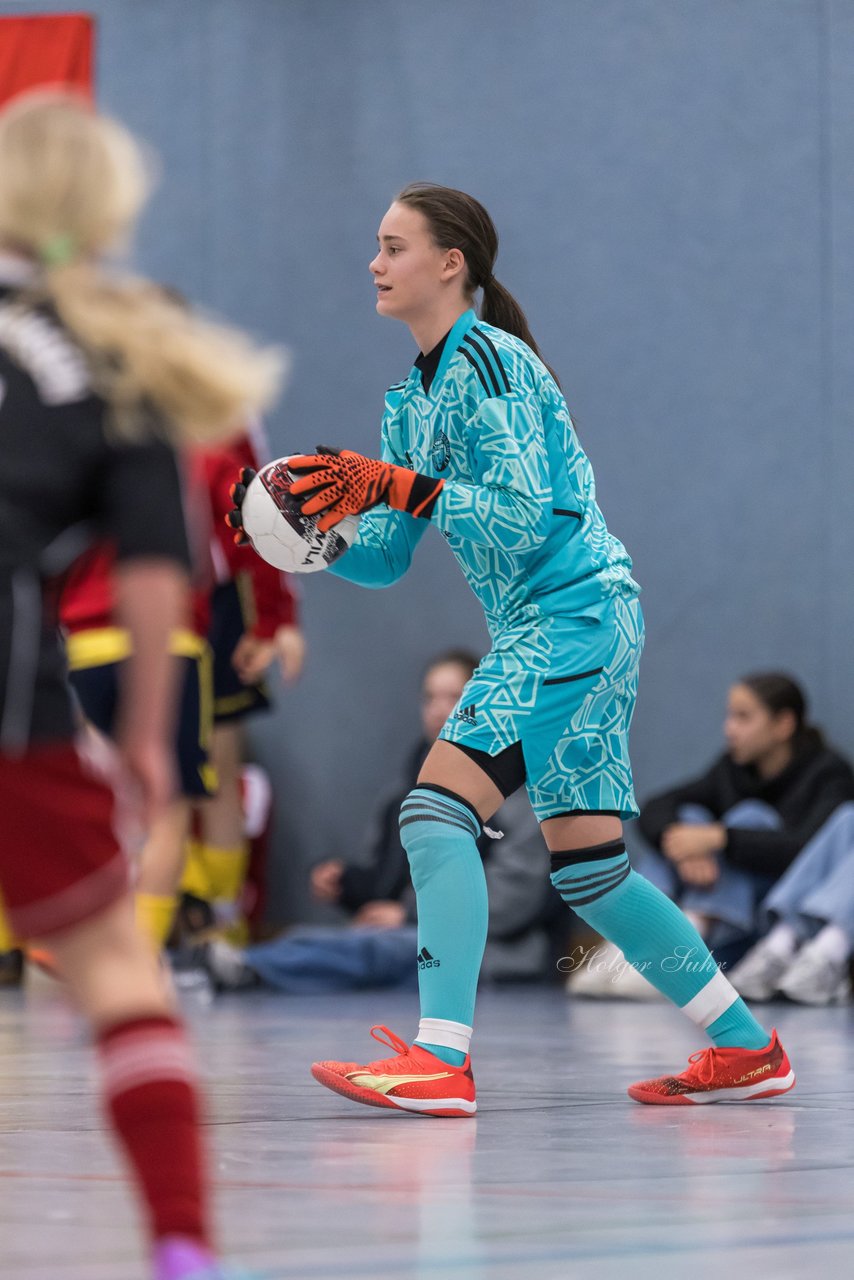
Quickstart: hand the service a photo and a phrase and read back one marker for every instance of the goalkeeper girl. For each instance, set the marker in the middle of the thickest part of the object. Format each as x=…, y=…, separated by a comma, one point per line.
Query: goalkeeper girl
x=478, y=442
x=101, y=377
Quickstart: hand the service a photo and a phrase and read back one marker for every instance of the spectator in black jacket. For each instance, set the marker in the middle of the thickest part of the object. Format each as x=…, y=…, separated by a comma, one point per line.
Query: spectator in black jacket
x=721, y=841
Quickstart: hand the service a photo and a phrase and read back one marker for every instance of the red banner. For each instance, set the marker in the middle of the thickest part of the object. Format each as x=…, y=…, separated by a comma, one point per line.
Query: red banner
x=50, y=51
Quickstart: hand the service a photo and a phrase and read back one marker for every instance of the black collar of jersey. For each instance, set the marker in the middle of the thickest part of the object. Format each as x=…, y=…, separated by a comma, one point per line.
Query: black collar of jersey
x=430, y=363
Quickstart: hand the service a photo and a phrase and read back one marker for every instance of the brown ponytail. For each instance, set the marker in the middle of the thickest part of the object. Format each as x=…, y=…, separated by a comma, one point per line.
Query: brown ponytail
x=458, y=221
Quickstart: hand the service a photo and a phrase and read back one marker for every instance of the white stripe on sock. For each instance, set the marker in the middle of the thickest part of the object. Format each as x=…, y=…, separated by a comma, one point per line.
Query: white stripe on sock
x=450, y=1035
x=714, y=999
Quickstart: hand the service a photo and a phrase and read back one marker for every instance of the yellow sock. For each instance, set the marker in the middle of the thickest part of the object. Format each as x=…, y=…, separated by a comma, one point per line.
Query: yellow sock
x=196, y=879
x=155, y=914
x=226, y=867
x=7, y=938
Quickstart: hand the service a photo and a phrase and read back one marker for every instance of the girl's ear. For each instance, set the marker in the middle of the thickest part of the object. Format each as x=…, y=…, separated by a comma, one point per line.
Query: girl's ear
x=454, y=263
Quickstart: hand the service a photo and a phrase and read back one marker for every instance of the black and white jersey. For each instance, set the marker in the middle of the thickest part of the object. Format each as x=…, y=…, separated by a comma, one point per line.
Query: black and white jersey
x=63, y=482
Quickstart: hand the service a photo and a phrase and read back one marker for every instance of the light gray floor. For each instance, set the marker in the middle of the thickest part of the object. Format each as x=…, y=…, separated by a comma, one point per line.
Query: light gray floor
x=560, y=1174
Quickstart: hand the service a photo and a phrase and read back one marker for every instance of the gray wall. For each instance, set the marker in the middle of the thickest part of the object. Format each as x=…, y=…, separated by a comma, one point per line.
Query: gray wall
x=672, y=181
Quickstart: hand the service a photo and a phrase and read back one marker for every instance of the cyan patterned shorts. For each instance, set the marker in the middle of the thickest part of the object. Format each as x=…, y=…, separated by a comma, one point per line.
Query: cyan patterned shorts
x=565, y=691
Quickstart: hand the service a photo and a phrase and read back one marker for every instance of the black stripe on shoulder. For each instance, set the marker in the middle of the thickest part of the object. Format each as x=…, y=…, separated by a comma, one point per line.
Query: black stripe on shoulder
x=482, y=356
x=503, y=372
x=474, y=364
x=398, y=386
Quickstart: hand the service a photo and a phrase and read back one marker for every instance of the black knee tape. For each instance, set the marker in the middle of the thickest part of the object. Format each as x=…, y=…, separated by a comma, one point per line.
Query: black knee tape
x=452, y=795
x=594, y=853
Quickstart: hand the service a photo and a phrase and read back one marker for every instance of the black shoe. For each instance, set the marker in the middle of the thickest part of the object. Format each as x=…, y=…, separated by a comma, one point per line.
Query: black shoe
x=194, y=916
x=11, y=968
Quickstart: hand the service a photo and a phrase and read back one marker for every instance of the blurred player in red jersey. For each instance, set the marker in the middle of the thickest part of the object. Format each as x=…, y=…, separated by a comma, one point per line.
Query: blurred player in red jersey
x=254, y=622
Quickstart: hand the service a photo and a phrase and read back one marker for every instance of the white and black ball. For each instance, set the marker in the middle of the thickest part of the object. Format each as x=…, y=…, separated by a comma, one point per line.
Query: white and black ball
x=279, y=531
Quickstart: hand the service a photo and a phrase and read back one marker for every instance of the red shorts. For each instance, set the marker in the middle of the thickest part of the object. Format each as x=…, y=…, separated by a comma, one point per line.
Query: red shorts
x=61, y=860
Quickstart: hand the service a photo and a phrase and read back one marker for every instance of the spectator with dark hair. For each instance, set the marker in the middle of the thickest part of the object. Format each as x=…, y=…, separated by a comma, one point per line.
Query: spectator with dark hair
x=720, y=841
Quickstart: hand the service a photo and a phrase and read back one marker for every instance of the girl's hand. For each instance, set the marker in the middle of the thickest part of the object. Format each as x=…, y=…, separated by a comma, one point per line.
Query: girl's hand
x=700, y=872
x=686, y=840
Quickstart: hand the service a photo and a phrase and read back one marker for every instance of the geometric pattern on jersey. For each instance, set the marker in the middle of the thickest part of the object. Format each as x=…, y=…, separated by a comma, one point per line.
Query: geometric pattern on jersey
x=566, y=691
x=518, y=507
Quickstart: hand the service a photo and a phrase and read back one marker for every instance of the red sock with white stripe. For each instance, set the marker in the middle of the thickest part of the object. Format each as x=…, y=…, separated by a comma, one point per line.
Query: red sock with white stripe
x=151, y=1095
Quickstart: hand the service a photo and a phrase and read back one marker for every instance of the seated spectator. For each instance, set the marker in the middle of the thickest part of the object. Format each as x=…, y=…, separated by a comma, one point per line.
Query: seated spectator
x=806, y=956
x=722, y=840
x=379, y=948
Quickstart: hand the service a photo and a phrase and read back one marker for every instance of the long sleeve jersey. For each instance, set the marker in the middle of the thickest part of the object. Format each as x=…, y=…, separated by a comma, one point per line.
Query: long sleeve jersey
x=518, y=507
x=805, y=794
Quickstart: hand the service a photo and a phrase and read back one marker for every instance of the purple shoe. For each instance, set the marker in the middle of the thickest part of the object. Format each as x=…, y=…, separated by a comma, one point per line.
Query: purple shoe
x=178, y=1258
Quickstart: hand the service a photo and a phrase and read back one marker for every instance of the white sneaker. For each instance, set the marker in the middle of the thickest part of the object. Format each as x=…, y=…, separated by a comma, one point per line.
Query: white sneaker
x=604, y=973
x=814, y=978
x=226, y=966
x=757, y=974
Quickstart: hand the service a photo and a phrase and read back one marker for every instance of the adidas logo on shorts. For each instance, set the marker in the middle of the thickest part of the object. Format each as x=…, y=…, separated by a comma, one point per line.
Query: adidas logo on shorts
x=467, y=714
x=426, y=961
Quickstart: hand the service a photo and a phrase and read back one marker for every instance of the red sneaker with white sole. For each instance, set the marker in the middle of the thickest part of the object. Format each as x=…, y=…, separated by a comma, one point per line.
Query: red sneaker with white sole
x=414, y=1080
x=722, y=1075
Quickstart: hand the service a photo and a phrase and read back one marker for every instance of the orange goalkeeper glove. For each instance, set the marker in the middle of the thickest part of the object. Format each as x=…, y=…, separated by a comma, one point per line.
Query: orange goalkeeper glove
x=341, y=483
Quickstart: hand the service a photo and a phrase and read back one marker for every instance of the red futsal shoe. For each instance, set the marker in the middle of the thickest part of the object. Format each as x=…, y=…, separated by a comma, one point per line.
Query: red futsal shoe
x=722, y=1075
x=414, y=1080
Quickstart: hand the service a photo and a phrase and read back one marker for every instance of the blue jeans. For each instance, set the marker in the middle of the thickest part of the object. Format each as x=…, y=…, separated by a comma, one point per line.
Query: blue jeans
x=315, y=960
x=733, y=900
x=819, y=885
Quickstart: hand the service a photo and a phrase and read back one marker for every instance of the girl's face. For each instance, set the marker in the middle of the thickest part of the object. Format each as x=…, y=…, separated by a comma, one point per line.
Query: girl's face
x=753, y=732
x=411, y=273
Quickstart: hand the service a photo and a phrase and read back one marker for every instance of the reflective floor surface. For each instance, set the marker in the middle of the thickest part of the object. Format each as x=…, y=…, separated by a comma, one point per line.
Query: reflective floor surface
x=559, y=1175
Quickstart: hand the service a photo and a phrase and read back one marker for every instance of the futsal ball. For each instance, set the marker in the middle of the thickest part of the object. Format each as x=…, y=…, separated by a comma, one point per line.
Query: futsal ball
x=279, y=531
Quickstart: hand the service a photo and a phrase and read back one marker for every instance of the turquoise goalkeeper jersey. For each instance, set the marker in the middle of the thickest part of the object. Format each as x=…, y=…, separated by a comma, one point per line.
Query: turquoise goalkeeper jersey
x=518, y=507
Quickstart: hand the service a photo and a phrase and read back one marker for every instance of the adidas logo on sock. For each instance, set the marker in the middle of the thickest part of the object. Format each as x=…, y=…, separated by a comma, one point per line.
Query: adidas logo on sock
x=468, y=714
x=426, y=961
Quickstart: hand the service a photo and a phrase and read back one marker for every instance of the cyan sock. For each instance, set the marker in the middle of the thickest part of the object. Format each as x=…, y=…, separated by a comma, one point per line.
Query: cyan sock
x=439, y=832
x=654, y=936
x=737, y=1028
x=453, y=1057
